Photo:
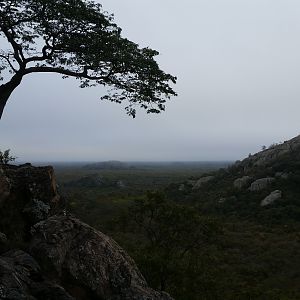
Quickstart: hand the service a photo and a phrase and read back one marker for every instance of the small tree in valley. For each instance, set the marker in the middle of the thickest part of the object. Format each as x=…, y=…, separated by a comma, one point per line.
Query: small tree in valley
x=170, y=234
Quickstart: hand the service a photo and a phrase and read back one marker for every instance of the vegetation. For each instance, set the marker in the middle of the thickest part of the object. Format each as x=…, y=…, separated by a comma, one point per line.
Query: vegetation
x=172, y=238
x=78, y=39
x=5, y=157
x=188, y=242
x=96, y=196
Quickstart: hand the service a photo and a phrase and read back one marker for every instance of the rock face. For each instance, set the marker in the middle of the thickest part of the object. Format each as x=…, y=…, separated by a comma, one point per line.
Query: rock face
x=274, y=196
x=242, y=182
x=67, y=259
x=27, y=195
x=89, y=259
x=261, y=184
x=270, y=155
x=202, y=181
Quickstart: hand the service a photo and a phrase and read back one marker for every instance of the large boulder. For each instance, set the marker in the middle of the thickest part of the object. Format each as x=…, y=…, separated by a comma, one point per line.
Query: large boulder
x=88, y=262
x=21, y=279
x=32, y=183
x=27, y=195
x=199, y=183
x=274, y=196
x=242, y=182
x=261, y=184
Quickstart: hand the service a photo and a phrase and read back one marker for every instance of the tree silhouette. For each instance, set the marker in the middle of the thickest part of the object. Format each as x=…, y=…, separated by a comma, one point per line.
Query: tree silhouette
x=76, y=38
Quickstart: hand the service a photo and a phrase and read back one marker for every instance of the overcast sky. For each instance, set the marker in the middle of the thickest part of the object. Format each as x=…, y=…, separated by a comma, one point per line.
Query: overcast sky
x=238, y=69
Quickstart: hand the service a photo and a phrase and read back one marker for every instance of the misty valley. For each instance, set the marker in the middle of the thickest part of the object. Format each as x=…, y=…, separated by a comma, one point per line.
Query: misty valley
x=152, y=230
x=195, y=229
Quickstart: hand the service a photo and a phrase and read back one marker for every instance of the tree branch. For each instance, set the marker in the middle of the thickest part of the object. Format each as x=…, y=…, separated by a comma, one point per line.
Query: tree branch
x=64, y=72
x=18, y=54
x=44, y=52
x=9, y=62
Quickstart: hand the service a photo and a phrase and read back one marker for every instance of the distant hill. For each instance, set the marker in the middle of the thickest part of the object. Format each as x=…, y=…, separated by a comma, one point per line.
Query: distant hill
x=283, y=153
x=115, y=165
x=264, y=186
x=107, y=165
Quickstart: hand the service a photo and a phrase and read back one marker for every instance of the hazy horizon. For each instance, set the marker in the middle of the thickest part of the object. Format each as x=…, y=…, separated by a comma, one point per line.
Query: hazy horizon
x=238, y=69
x=19, y=161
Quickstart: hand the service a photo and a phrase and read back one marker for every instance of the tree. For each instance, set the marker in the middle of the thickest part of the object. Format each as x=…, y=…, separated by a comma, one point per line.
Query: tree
x=5, y=157
x=169, y=235
x=76, y=38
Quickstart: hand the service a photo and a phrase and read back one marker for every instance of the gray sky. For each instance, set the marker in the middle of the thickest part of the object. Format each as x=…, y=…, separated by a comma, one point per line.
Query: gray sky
x=238, y=68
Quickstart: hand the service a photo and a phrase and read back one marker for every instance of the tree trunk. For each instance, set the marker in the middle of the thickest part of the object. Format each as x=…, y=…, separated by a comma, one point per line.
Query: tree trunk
x=7, y=89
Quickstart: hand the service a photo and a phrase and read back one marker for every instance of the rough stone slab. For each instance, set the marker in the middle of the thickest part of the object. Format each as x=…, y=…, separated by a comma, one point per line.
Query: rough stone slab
x=242, y=182
x=274, y=196
x=261, y=184
x=67, y=248
x=202, y=181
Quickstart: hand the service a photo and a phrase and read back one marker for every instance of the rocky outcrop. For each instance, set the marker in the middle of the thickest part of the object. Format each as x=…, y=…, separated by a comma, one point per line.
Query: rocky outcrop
x=67, y=259
x=27, y=195
x=38, y=182
x=274, y=196
x=270, y=155
x=191, y=182
x=242, y=182
x=90, y=260
x=199, y=183
x=261, y=184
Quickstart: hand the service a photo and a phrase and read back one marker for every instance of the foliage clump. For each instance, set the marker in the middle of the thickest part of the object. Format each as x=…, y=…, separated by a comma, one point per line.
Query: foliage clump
x=173, y=239
x=5, y=157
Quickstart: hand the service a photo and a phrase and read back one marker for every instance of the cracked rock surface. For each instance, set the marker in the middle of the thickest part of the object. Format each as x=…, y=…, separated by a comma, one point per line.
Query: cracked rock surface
x=88, y=260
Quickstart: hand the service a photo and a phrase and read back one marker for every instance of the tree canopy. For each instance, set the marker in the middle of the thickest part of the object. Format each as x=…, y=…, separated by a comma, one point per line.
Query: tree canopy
x=77, y=38
x=170, y=237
